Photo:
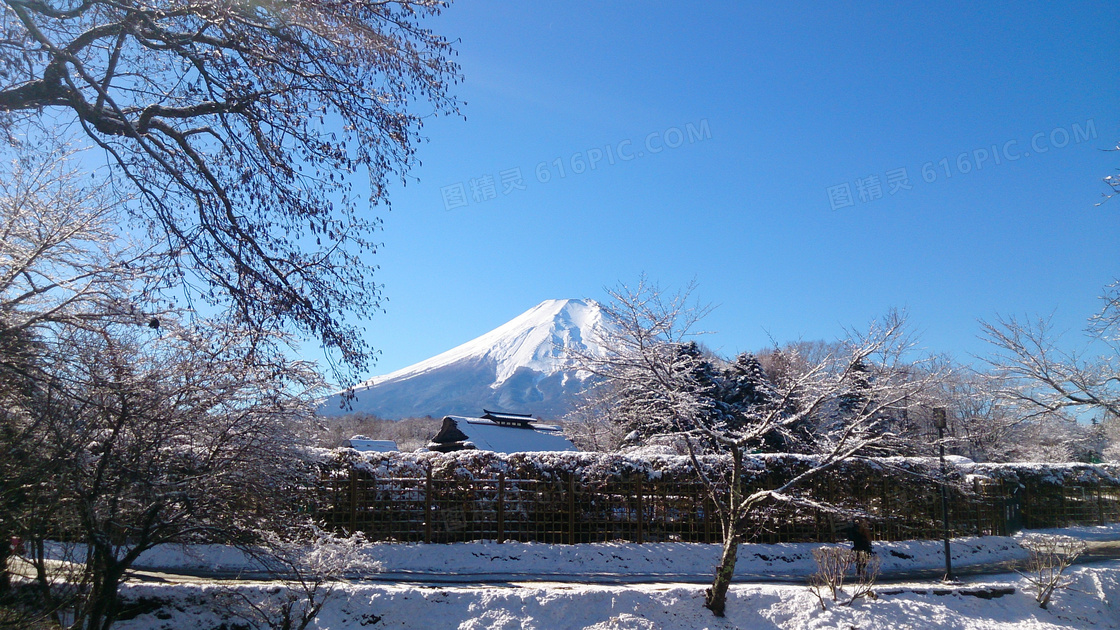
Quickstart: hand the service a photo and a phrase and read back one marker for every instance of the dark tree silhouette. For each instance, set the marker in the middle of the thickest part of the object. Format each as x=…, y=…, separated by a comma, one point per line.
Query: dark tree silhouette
x=238, y=125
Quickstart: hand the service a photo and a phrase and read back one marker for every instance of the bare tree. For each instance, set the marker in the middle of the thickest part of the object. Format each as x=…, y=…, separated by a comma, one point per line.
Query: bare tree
x=1043, y=379
x=238, y=126
x=185, y=435
x=983, y=425
x=1050, y=386
x=129, y=438
x=65, y=258
x=847, y=397
x=64, y=265
x=121, y=429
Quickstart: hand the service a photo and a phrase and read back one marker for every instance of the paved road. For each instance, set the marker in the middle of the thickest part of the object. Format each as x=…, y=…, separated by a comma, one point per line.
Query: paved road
x=1098, y=551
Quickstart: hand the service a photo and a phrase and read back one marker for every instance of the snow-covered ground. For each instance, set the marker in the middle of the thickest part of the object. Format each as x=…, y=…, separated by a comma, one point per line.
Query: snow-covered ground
x=1093, y=601
x=503, y=588
x=476, y=561
x=1088, y=533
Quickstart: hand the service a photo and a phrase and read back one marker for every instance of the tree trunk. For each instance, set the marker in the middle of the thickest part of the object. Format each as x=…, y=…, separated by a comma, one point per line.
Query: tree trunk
x=101, y=609
x=5, y=552
x=715, y=598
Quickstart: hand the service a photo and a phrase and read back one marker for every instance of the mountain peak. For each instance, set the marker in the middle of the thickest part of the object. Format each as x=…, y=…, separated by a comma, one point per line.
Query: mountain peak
x=522, y=365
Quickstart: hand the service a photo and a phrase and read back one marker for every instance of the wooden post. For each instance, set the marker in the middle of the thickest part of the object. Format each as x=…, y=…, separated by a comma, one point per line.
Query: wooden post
x=1100, y=505
x=428, y=506
x=708, y=506
x=571, y=509
x=353, y=501
x=976, y=502
x=640, y=511
x=501, y=507
x=1004, y=525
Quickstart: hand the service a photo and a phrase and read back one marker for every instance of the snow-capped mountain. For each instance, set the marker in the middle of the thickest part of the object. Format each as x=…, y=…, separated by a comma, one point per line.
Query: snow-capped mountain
x=524, y=366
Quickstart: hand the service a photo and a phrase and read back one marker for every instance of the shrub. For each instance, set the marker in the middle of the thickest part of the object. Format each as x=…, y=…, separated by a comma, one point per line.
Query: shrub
x=1050, y=556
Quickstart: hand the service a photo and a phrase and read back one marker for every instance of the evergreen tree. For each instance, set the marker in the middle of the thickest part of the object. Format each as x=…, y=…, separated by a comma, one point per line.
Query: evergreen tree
x=856, y=396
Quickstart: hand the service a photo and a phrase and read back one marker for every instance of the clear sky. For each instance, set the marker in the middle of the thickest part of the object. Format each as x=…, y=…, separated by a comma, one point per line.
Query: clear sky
x=788, y=104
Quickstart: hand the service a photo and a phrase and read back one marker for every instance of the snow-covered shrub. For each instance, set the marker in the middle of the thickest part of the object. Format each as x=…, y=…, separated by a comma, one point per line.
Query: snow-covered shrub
x=588, y=466
x=310, y=562
x=1050, y=556
x=833, y=566
x=1051, y=474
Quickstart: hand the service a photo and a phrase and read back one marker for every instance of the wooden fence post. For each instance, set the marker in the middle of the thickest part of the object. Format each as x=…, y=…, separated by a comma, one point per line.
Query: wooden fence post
x=640, y=510
x=571, y=509
x=428, y=506
x=976, y=503
x=353, y=501
x=708, y=507
x=501, y=507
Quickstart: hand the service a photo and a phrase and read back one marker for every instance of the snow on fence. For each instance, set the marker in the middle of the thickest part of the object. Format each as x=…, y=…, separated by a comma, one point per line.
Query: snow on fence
x=592, y=497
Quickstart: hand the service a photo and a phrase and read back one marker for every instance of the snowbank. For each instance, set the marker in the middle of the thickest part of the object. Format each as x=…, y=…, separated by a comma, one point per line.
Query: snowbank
x=474, y=561
x=1092, y=602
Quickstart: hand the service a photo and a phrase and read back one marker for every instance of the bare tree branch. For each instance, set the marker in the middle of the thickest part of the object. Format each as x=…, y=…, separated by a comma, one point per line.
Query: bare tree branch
x=239, y=125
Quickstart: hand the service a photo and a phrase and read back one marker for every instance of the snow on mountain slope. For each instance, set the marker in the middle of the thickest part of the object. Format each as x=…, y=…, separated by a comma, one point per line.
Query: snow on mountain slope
x=523, y=365
x=536, y=339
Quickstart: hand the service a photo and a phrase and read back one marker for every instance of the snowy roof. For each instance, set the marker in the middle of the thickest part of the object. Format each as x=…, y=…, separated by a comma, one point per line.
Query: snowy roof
x=367, y=445
x=460, y=432
x=504, y=418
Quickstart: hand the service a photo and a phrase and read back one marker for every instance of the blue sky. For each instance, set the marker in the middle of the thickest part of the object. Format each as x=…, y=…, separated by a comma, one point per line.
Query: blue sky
x=788, y=103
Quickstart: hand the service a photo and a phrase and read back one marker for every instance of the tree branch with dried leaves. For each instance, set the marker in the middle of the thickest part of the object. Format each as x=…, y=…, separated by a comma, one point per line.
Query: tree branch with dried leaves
x=239, y=127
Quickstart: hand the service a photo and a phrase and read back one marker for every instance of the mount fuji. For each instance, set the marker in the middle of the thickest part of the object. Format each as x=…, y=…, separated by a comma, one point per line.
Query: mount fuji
x=524, y=365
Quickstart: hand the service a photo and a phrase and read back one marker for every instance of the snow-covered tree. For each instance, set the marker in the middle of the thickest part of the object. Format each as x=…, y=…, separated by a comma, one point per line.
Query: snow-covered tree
x=64, y=265
x=653, y=361
x=65, y=255
x=189, y=434
x=982, y=427
x=1110, y=439
x=1044, y=382
x=121, y=427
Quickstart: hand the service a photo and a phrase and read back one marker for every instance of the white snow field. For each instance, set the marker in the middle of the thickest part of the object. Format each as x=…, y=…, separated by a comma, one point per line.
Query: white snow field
x=605, y=562
x=501, y=587
x=1092, y=601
